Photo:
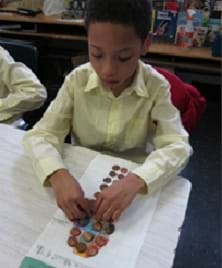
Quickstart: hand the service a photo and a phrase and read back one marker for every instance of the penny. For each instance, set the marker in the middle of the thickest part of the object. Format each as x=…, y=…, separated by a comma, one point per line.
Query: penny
x=75, y=231
x=91, y=251
x=88, y=237
x=83, y=222
x=101, y=240
x=124, y=170
x=109, y=228
x=120, y=176
x=72, y=241
x=81, y=247
x=96, y=194
x=103, y=186
x=108, y=180
x=97, y=226
x=115, y=167
x=112, y=173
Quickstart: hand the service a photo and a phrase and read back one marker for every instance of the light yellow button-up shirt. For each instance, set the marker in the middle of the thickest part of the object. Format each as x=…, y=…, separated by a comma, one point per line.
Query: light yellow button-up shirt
x=122, y=125
x=20, y=90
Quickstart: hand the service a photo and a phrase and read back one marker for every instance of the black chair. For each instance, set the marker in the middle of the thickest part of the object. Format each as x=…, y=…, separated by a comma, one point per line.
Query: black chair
x=23, y=52
x=26, y=53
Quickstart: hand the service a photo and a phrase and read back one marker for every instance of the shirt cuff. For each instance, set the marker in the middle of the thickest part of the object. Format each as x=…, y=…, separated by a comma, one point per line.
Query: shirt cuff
x=46, y=167
x=151, y=175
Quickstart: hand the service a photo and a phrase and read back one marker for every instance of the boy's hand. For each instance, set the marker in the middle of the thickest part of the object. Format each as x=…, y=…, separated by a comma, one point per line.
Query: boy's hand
x=69, y=195
x=112, y=201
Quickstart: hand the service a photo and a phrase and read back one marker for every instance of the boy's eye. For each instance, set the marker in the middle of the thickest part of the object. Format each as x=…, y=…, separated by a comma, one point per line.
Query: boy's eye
x=124, y=59
x=96, y=56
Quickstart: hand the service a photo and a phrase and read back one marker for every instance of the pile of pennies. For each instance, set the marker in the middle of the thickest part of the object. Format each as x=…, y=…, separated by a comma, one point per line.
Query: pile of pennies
x=116, y=173
x=87, y=236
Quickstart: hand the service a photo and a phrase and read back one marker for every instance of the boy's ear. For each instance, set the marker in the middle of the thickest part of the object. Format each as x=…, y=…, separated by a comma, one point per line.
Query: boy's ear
x=146, y=44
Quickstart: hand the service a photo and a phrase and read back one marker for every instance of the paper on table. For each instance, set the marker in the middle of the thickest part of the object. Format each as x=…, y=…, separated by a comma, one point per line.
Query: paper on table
x=125, y=243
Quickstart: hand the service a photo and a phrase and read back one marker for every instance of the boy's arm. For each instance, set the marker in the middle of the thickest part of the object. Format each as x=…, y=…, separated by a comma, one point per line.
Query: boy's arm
x=172, y=149
x=26, y=93
x=44, y=143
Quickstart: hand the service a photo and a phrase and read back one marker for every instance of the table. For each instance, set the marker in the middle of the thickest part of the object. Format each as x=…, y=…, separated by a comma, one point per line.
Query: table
x=26, y=207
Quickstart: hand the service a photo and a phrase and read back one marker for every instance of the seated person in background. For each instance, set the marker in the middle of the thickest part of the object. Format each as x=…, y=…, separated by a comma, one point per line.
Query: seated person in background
x=114, y=103
x=20, y=89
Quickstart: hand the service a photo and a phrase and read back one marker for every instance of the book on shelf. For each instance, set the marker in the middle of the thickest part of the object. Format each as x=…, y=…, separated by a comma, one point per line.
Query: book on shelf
x=171, y=5
x=199, y=29
x=214, y=29
x=165, y=26
x=158, y=4
x=216, y=9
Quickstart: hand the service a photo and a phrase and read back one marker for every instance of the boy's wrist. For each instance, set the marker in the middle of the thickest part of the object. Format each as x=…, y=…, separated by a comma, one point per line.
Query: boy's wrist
x=57, y=175
x=138, y=183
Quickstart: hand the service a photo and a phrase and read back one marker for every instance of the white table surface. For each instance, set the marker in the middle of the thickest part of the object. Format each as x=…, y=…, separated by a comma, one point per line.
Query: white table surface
x=26, y=207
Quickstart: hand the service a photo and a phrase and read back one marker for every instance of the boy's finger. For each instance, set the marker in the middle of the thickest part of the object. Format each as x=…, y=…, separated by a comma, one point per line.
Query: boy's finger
x=84, y=205
x=79, y=213
x=104, y=206
x=69, y=214
x=107, y=215
x=97, y=203
x=116, y=215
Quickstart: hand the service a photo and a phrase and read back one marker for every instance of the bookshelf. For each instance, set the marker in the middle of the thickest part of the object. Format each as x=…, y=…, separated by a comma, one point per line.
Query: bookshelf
x=70, y=35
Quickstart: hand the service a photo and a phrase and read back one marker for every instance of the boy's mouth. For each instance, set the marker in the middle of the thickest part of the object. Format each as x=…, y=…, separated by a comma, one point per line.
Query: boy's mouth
x=110, y=82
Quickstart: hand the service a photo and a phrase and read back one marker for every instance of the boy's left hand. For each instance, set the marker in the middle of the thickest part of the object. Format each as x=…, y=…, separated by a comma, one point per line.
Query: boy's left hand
x=112, y=201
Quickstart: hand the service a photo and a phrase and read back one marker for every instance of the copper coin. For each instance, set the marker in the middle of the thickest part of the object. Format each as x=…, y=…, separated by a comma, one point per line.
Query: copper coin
x=124, y=170
x=108, y=180
x=81, y=247
x=103, y=186
x=75, y=231
x=109, y=228
x=120, y=176
x=112, y=173
x=96, y=194
x=97, y=226
x=115, y=167
x=72, y=241
x=88, y=237
x=83, y=222
x=101, y=240
x=91, y=251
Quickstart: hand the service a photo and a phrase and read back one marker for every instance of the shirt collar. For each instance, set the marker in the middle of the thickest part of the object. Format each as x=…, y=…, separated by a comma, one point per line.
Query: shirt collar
x=138, y=84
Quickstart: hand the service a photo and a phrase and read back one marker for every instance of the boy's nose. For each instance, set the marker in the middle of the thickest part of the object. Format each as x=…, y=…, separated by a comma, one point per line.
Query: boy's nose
x=109, y=69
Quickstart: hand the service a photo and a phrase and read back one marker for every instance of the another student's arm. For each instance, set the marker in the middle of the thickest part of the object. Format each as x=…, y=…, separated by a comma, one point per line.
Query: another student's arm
x=26, y=93
x=44, y=144
x=172, y=149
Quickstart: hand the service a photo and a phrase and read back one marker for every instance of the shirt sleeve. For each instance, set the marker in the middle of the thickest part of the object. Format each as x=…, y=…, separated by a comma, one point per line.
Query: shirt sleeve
x=44, y=143
x=172, y=149
x=26, y=93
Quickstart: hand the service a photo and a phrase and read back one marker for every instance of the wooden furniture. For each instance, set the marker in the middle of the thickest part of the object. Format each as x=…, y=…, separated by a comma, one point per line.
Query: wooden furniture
x=63, y=38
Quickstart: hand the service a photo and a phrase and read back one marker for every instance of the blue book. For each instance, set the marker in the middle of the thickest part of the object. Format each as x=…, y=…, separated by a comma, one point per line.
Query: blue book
x=165, y=26
x=214, y=29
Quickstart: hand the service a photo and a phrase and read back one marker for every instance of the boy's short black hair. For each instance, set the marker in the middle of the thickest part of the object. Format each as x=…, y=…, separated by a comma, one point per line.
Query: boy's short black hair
x=136, y=13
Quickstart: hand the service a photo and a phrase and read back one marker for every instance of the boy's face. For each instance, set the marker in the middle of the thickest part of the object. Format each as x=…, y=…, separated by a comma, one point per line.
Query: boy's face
x=114, y=51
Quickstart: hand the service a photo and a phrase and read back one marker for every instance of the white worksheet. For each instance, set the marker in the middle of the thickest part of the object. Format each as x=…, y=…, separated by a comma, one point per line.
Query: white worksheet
x=124, y=244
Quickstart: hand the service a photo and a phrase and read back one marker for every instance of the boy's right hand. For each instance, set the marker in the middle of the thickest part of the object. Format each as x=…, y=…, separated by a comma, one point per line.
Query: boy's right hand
x=69, y=195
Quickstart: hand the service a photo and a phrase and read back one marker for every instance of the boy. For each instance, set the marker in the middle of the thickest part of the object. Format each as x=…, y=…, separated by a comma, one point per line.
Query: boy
x=111, y=104
x=20, y=90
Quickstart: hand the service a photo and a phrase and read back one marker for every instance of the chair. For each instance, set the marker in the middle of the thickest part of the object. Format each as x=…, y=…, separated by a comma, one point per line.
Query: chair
x=23, y=52
x=26, y=53
x=186, y=98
